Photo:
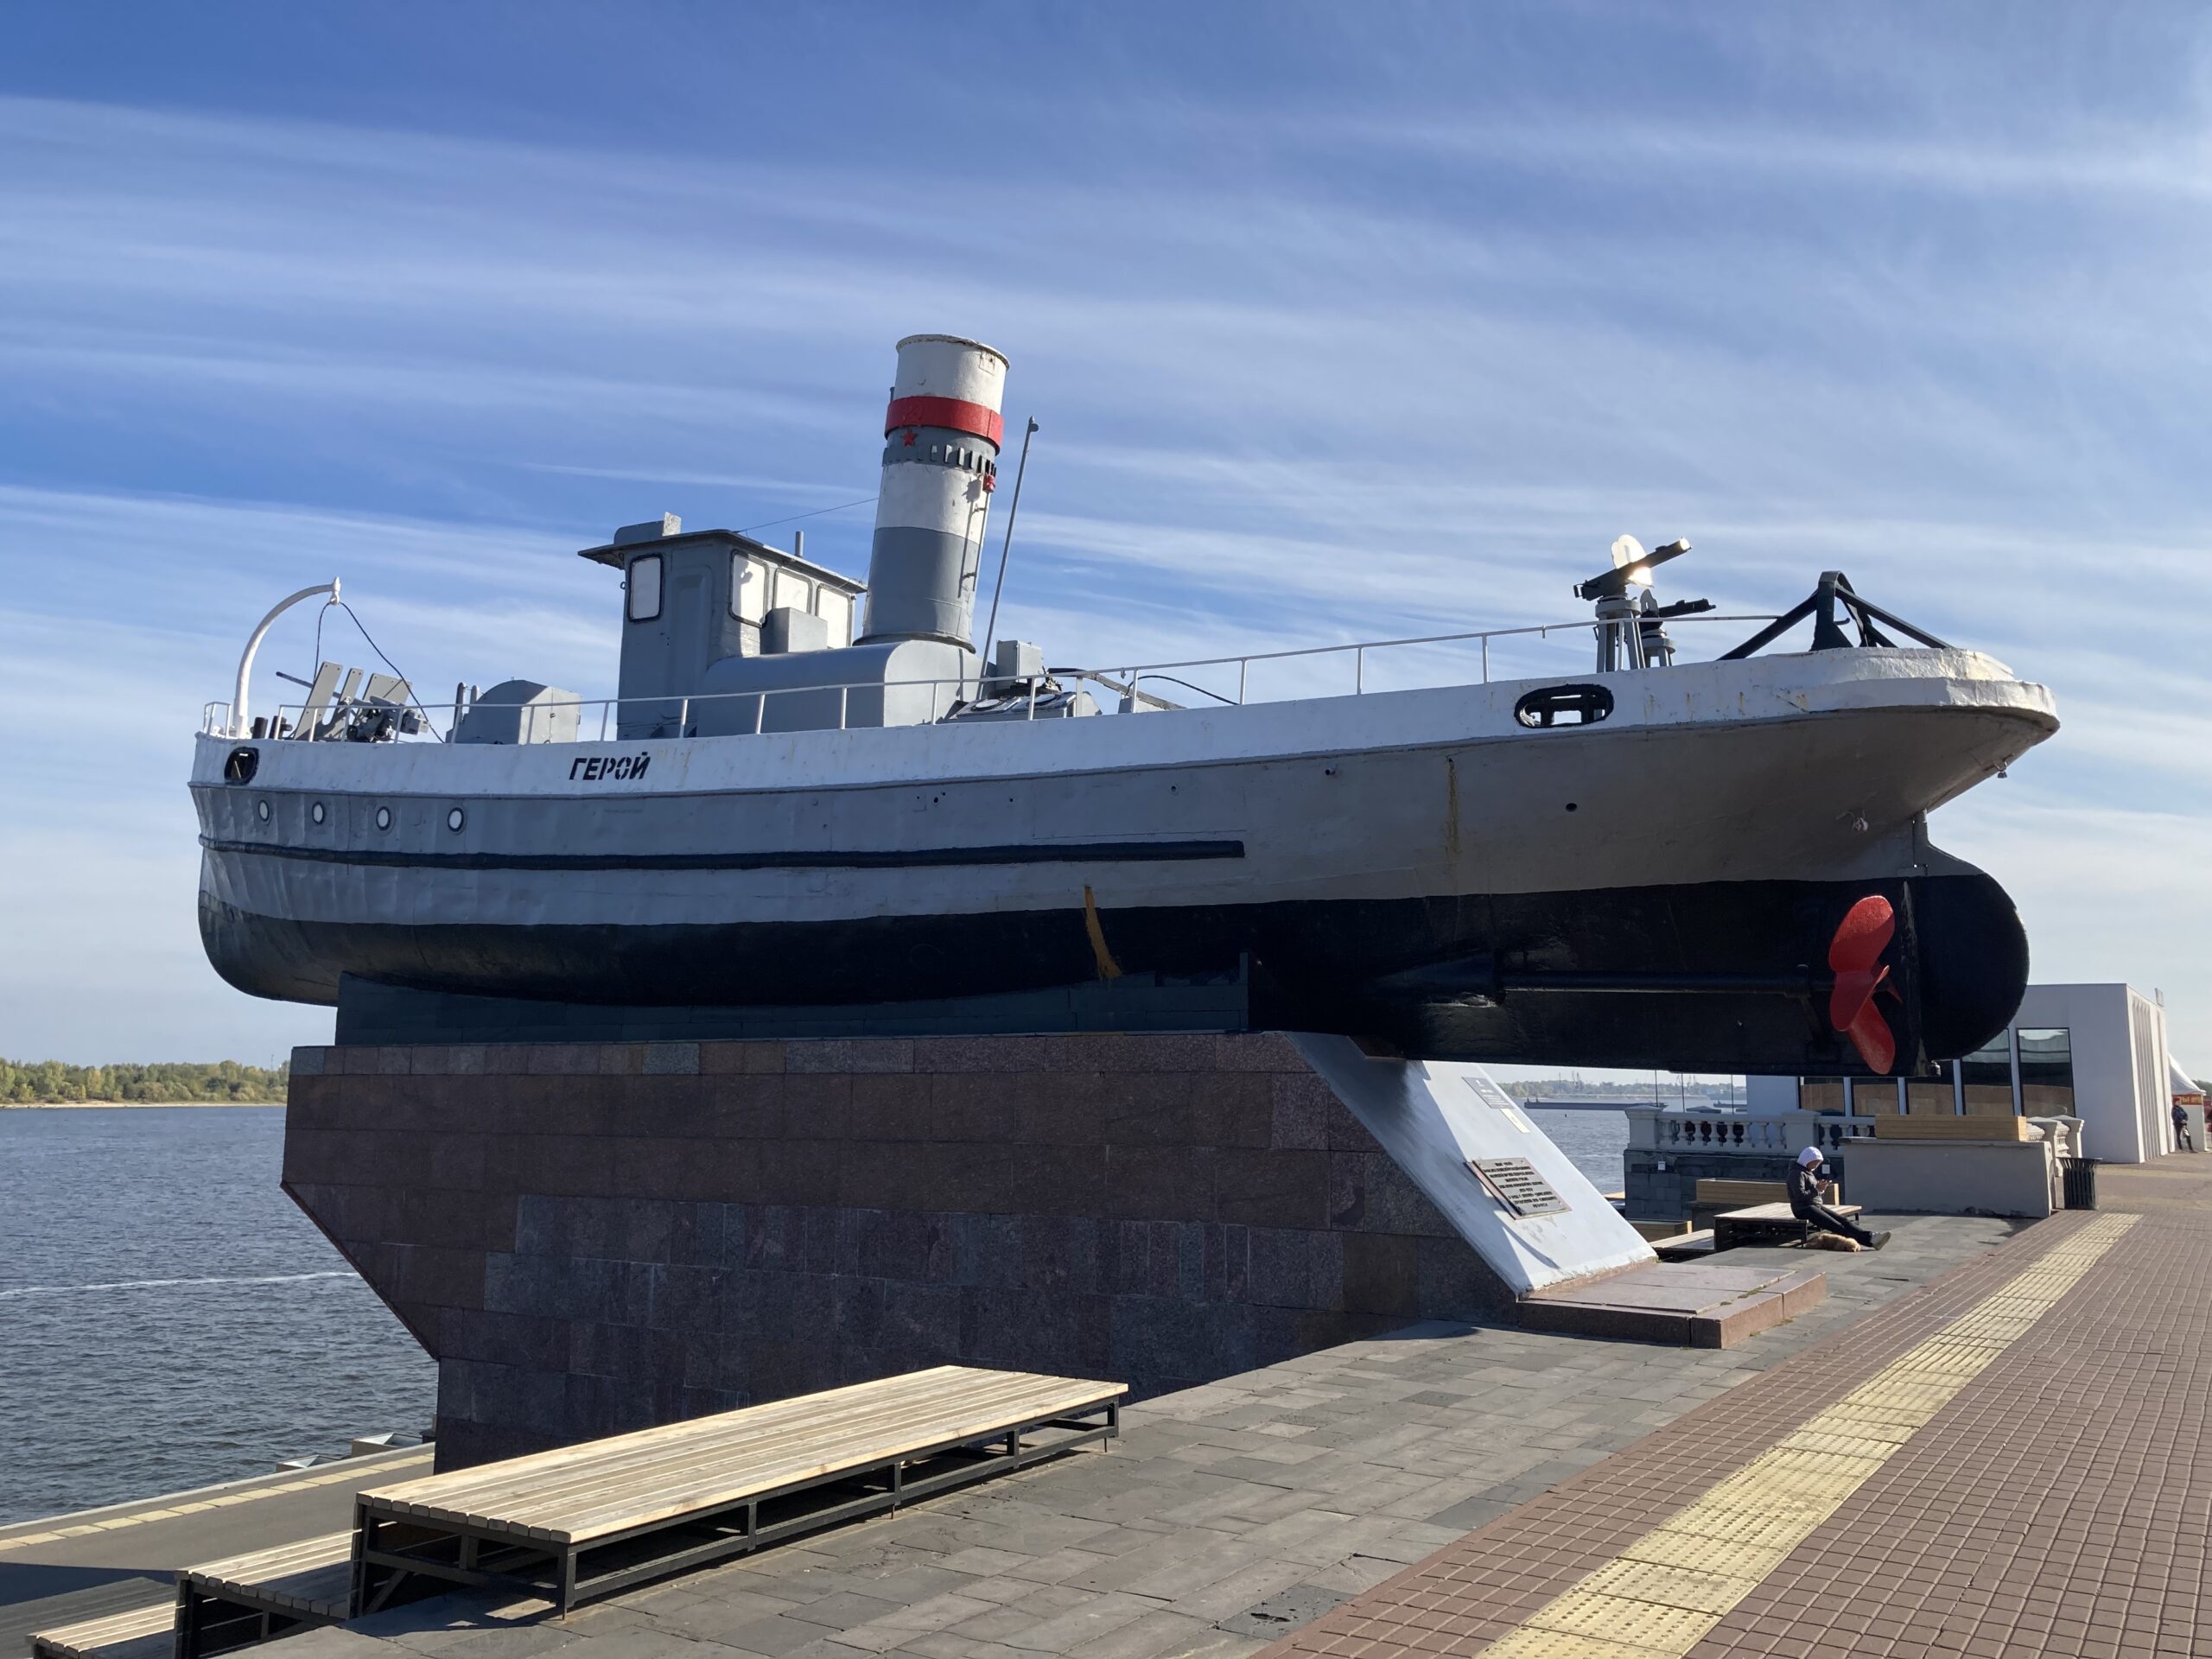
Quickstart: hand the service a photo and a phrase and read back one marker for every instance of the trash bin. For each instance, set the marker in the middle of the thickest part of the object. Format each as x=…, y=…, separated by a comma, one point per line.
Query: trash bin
x=2081, y=1176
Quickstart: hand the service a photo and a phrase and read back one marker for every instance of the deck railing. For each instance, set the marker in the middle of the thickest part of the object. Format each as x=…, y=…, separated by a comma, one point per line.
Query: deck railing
x=1125, y=682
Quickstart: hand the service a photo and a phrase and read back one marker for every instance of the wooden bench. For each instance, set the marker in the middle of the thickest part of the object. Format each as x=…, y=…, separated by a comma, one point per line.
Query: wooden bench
x=1714, y=1197
x=1975, y=1126
x=243, y=1600
x=1736, y=1195
x=221, y=1606
x=586, y=1520
x=141, y=1633
x=1767, y=1224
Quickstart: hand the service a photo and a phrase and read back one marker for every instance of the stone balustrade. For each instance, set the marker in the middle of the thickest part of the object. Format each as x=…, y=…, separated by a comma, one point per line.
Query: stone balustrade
x=1716, y=1131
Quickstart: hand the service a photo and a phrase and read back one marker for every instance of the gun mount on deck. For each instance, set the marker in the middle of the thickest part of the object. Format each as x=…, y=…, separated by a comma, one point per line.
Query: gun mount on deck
x=1632, y=632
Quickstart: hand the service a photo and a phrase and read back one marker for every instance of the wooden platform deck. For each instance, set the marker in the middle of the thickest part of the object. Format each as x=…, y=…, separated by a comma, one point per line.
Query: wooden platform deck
x=142, y=1633
x=586, y=1520
x=269, y=1592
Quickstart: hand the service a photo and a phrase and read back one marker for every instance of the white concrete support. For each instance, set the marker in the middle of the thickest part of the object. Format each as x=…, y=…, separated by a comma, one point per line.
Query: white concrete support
x=1433, y=1117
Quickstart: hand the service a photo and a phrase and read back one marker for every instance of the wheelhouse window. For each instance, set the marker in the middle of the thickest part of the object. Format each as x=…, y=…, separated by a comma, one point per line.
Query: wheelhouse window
x=835, y=609
x=793, y=590
x=748, y=588
x=644, y=587
x=2046, y=1072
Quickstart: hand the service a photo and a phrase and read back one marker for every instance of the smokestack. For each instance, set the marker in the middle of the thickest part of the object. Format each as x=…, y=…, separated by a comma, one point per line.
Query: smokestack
x=940, y=464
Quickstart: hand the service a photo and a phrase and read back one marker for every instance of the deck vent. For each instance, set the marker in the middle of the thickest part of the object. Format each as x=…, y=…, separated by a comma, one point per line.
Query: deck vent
x=1564, y=705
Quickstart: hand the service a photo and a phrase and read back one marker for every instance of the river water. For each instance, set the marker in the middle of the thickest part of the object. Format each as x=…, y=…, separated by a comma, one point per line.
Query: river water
x=1594, y=1141
x=168, y=1319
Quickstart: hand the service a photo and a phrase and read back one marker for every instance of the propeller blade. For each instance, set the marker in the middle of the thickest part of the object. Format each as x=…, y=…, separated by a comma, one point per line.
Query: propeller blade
x=1869, y=1035
x=1864, y=934
x=1854, y=991
x=1854, y=957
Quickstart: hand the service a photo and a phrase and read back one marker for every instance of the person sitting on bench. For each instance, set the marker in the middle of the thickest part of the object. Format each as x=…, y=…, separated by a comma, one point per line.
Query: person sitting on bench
x=1805, y=1204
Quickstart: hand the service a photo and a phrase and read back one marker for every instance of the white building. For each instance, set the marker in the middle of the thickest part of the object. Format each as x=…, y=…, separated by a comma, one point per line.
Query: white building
x=2093, y=1052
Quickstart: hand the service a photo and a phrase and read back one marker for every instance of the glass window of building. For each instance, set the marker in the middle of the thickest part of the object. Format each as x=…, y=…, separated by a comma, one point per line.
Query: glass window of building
x=1988, y=1076
x=2046, y=1072
x=835, y=609
x=644, y=587
x=1819, y=1094
x=792, y=590
x=1874, y=1096
x=748, y=588
x=1930, y=1096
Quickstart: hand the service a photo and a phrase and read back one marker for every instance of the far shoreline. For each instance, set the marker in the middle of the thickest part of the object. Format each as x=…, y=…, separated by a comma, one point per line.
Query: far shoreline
x=129, y=1105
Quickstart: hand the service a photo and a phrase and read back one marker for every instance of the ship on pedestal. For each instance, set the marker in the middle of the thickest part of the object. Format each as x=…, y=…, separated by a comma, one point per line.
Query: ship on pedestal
x=1640, y=860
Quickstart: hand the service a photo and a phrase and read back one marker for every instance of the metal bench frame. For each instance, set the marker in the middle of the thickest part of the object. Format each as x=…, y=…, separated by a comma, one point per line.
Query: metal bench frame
x=486, y=1555
x=204, y=1622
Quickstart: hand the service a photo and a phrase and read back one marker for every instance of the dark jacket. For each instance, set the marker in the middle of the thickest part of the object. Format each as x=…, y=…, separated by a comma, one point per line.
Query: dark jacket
x=1805, y=1187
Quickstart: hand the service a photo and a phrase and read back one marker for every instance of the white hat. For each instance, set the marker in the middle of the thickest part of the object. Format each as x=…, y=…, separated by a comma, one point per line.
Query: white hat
x=1810, y=1155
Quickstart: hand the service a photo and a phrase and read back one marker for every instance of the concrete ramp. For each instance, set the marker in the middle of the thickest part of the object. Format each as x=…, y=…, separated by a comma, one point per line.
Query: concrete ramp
x=1495, y=1176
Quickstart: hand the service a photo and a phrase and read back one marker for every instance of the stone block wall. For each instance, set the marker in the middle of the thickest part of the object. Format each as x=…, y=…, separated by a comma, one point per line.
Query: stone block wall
x=593, y=1237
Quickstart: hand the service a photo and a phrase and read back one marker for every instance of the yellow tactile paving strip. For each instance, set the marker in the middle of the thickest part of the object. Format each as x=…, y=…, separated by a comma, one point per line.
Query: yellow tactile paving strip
x=1676, y=1545
x=1673, y=1585
x=221, y=1500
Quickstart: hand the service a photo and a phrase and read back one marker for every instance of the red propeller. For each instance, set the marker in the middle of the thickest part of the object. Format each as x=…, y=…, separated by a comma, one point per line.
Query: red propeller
x=1854, y=957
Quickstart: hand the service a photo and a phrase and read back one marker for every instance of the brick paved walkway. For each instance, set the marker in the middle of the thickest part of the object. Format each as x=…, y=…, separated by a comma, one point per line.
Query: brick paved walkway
x=2011, y=1461
x=1226, y=1516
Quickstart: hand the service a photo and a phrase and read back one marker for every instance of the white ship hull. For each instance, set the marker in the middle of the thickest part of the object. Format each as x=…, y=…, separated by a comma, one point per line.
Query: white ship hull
x=1415, y=867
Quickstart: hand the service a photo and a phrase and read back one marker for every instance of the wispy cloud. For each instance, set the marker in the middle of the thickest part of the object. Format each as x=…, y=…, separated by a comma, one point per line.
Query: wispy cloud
x=1392, y=341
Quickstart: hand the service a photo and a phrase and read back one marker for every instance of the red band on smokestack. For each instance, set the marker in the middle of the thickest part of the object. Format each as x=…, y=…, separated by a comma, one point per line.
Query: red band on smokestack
x=955, y=413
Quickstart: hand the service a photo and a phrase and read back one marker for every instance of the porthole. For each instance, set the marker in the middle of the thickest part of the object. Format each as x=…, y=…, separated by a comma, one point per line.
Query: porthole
x=316, y=812
x=1564, y=705
x=456, y=818
x=383, y=817
x=261, y=810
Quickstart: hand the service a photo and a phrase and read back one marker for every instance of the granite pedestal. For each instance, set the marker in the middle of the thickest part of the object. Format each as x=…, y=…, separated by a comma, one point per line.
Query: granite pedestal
x=591, y=1237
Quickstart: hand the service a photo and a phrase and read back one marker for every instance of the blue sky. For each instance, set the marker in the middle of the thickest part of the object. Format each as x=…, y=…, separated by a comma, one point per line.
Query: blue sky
x=1339, y=322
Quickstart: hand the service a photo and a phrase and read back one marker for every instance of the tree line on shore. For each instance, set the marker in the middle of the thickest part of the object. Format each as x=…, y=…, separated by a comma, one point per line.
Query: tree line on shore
x=31, y=1082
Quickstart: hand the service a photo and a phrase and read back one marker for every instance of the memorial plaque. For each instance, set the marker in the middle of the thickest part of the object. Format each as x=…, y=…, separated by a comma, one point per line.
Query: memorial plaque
x=1514, y=1184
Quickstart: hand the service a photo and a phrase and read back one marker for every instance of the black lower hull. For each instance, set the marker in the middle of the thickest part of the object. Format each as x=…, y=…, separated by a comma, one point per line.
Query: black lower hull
x=1713, y=976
